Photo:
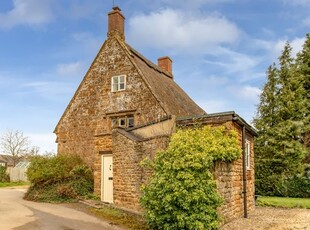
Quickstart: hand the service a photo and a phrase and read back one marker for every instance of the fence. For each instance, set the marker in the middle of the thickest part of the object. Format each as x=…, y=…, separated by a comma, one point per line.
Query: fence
x=17, y=174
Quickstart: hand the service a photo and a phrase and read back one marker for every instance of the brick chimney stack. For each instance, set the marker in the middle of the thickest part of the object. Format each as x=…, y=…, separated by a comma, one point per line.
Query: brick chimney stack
x=116, y=23
x=165, y=63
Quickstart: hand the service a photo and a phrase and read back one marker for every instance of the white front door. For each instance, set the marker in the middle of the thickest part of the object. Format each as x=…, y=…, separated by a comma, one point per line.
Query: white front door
x=107, y=179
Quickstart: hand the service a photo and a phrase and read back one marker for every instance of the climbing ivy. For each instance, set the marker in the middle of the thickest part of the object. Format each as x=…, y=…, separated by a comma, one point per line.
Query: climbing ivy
x=181, y=193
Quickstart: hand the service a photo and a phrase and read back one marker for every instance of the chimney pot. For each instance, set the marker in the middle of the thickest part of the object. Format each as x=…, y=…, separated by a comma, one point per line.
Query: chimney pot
x=165, y=63
x=116, y=23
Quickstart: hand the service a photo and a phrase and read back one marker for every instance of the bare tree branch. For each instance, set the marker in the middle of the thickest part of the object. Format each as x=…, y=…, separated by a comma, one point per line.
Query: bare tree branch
x=14, y=143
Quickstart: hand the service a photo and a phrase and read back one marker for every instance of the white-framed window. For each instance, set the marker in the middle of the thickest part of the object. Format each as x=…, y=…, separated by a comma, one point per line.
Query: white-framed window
x=248, y=154
x=118, y=83
x=124, y=122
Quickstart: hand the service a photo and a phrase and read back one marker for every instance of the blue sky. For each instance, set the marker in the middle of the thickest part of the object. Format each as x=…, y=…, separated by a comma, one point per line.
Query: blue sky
x=220, y=51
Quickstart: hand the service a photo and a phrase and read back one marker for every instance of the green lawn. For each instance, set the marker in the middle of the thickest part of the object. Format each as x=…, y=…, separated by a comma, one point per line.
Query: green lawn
x=284, y=202
x=11, y=184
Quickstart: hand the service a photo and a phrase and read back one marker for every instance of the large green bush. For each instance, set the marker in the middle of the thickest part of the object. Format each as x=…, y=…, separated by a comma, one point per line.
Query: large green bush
x=294, y=186
x=58, y=178
x=181, y=193
x=4, y=177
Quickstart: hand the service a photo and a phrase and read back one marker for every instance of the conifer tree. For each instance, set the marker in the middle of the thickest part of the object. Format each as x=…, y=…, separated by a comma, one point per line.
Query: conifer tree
x=280, y=121
x=303, y=66
x=291, y=110
x=265, y=122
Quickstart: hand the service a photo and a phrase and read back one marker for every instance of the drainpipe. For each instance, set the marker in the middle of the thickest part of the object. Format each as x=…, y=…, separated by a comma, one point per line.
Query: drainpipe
x=244, y=174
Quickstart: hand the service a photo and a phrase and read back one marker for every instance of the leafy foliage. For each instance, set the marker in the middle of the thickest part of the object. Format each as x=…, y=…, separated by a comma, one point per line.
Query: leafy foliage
x=295, y=186
x=181, y=193
x=282, y=122
x=303, y=67
x=58, y=178
x=4, y=177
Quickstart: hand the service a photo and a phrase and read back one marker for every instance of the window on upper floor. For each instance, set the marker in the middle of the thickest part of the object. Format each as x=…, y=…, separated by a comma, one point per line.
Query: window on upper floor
x=118, y=83
x=248, y=154
x=123, y=122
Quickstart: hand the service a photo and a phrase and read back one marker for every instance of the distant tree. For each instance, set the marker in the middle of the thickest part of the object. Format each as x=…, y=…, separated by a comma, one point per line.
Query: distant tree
x=14, y=143
x=34, y=151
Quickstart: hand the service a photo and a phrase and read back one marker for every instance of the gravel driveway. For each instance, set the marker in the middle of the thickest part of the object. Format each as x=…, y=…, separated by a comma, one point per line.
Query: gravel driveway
x=265, y=218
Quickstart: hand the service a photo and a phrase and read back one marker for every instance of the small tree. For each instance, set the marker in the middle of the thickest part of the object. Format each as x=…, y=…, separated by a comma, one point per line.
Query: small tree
x=14, y=143
x=4, y=177
x=181, y=193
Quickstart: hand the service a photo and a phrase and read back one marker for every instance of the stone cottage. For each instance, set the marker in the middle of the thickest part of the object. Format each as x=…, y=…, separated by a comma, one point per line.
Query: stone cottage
x=126, y=108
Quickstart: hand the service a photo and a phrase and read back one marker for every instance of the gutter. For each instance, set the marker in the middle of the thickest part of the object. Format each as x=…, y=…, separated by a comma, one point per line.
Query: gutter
x=245, y=206
x=244, y=125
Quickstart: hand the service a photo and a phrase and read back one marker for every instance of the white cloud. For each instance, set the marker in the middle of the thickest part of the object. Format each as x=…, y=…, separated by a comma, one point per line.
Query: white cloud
x=175, y=29
x=213, y=106
x=233, y=63
x=27, y=12
x=69, y=69
x=45, y=141
x=193, y=3
x=306, y=22
x=88, y=42
x=48, y=89
x=305, y=3
x=296, y=45
x=248, y=93
x=275, y=48
x=215, y=81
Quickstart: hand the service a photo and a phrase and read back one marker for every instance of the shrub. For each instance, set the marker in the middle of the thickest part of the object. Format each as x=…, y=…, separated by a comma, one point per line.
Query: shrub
x=58, y=178
x=294, y=186
x=181, y=193
x=4, y=177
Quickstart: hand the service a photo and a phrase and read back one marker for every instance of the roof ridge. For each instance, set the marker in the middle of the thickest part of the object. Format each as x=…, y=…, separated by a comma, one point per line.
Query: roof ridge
x=148, y=62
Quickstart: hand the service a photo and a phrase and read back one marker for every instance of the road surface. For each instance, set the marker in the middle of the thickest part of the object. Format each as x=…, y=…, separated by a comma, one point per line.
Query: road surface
x=19, y=214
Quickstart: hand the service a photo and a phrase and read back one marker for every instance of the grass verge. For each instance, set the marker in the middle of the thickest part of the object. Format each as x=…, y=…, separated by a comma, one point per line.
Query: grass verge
x=284, y=202
x=122, y=218
x=12, y=184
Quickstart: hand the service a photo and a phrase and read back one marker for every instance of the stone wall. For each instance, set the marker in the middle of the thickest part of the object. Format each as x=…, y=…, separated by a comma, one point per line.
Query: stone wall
x=129, y=150
x=229, y=179
x=128, y=175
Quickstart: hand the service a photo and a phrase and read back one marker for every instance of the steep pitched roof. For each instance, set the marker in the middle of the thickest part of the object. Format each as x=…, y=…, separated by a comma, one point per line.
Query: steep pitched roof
x=169, y=94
